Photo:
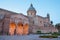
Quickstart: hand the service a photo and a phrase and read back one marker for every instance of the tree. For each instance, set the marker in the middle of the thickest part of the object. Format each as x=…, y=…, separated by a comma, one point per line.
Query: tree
x=38, y=32
x=51, y=22
x=58, y=27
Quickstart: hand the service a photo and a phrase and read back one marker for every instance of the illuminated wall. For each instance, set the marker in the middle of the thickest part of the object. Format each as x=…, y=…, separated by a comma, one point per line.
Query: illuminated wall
x=25, y=29
x=21, y=29
x=12, y=28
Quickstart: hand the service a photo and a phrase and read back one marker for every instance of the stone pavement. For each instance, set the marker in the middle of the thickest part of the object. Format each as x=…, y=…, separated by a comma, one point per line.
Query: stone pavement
x=25, y=37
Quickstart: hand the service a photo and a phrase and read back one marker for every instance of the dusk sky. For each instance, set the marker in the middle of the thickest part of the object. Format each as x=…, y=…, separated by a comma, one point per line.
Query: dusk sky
x=42, y=7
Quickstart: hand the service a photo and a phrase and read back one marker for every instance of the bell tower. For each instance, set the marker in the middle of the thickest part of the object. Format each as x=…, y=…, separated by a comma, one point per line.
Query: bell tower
x=31, y=12
x=48, y=16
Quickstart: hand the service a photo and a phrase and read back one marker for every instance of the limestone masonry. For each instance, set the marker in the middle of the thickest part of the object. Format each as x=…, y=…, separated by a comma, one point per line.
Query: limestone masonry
x=19, y=24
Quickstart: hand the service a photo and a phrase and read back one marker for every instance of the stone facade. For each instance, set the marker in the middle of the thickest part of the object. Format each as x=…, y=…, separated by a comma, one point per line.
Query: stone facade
x=18, y=24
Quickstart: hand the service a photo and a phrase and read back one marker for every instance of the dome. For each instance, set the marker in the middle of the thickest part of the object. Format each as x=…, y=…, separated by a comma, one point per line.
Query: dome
x=31, y=8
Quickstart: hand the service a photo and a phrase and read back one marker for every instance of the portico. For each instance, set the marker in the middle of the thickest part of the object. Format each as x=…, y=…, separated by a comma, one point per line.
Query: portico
x=18, y=29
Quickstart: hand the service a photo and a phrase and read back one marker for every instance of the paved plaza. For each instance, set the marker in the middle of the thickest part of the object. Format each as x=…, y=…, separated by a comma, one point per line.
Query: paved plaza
x=25, y=37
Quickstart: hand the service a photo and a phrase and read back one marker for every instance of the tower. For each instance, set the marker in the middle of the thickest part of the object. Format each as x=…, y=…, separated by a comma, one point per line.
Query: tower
x=31, y=12
x=48, y=16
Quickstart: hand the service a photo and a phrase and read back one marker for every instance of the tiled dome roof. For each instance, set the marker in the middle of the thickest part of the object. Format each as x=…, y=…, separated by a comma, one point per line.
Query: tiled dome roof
x=31, y=8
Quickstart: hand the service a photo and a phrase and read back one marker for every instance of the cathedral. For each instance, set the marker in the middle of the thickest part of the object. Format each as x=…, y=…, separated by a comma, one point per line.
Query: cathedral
x=12, y=23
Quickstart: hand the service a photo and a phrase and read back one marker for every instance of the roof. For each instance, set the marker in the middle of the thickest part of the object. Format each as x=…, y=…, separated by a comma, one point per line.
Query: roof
x=23, y=15
x=41, y=17
x=8, y=11
x=31, y=8
x=13, y=13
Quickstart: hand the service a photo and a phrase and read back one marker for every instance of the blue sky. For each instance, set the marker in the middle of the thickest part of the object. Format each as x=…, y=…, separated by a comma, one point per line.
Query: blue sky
x=42, y=7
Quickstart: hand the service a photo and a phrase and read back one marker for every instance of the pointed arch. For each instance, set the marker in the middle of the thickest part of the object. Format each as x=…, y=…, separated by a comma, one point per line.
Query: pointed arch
x=12, y=27
x=25, y=29
x=19, y=29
